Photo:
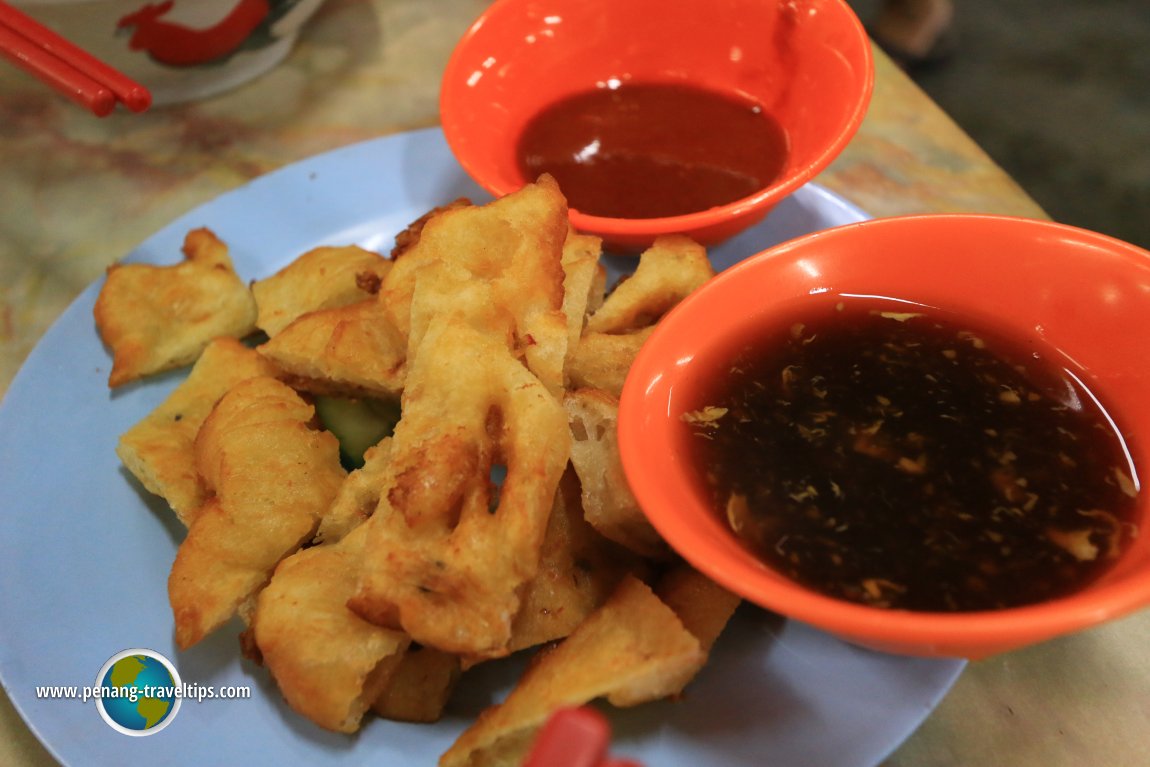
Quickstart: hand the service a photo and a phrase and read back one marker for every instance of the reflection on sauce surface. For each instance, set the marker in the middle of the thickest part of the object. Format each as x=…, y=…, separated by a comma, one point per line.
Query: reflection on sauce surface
x=648, y=151
x=912, y=461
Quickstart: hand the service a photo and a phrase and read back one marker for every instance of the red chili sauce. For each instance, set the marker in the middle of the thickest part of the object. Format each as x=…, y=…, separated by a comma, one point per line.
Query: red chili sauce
x=910, y=460
x=650, y=150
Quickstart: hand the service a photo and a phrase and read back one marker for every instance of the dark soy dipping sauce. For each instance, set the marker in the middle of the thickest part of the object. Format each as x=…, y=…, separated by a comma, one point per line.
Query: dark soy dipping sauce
x=908, y=460
x=653, y=150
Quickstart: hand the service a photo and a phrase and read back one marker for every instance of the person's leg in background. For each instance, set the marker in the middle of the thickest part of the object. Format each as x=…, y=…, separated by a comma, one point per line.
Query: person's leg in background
x=914, y=32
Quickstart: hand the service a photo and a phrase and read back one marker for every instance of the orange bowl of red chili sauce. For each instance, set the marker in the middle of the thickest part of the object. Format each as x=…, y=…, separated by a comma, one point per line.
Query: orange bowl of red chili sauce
x=688, y=117
x=922, y=434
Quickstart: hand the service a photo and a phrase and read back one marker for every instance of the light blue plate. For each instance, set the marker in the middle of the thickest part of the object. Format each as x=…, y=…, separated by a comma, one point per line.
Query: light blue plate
x=85, y=553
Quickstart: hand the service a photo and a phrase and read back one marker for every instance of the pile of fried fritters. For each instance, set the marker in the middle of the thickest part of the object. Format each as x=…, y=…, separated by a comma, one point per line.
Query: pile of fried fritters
x=494, y=519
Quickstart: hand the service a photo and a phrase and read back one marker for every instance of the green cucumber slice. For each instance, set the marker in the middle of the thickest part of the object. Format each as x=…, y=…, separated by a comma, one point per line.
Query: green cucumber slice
x=358, y=424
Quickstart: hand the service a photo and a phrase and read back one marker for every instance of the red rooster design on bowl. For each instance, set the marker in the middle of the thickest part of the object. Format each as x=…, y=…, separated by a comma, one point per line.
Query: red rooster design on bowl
x=249, y=25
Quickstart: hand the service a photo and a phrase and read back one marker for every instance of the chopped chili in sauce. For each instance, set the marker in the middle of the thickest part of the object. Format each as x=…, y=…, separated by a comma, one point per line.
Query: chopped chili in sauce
x=906, y=459
x=653, y=150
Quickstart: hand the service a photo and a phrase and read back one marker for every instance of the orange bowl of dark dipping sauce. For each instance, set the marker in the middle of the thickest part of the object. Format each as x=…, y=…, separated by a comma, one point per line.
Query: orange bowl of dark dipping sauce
x=924, y=434
x=687, y=117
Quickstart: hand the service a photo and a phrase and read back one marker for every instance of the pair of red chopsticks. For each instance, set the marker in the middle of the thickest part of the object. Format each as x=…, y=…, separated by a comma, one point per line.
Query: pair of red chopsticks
x=69, y=69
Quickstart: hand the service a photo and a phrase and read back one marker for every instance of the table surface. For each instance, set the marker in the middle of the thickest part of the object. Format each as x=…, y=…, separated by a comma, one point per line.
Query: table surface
x=80, y=192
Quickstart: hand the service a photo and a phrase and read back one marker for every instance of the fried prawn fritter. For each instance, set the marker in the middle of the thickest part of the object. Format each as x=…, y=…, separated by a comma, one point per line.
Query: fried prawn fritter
x=159, y=450
x=449, y=550
x=270, y=477
x=578, y=570
x=156, y=318
x=668, y=271
x=420, y=687
x=358, y=495
x=626, y=651
x=351, y=350
x=584, y=281
x=410, y=235
x=330, y=664
x=512, y=248
x=322, y=278
x=602, y=360
x=702, y=605
x=608, y=503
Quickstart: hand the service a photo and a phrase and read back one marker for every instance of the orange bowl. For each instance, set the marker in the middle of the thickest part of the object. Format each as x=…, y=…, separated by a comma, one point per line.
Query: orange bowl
x=1082, y=297
x=807, y=63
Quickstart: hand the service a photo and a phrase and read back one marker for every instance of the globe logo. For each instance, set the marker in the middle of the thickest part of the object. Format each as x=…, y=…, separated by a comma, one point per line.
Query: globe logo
x=139, y=692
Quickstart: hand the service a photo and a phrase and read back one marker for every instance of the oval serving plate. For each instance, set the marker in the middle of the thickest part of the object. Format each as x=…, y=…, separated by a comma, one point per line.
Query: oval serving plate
x=86, y=552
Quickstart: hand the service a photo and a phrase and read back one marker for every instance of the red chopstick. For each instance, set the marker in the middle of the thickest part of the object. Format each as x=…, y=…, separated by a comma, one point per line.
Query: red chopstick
x=69, y=69
x=574, y=737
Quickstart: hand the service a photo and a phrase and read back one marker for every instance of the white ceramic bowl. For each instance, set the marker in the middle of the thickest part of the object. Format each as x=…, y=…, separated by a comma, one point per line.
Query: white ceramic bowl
x=180, y=50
